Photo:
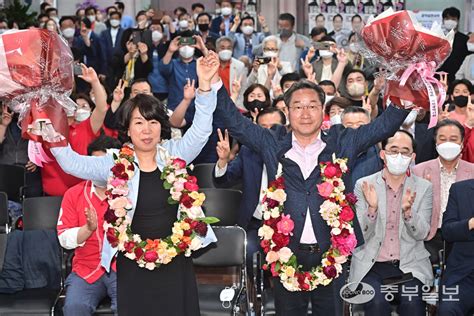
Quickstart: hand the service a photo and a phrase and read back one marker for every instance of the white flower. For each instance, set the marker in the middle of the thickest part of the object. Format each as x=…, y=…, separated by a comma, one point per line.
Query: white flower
x=336, y=231
x=136, y=238
x=130, y=255
x=266, y=232
x=275, y=212
x=278, y=195
x=191, y=167
x=170, y=178
x=150, y=266
x=195, y=244
x=194, y=212
x=285, y=254
x=267, y=215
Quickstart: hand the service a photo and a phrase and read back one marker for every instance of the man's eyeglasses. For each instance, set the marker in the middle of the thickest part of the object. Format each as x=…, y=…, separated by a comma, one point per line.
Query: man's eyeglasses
x=395, y=152
x=310, y=107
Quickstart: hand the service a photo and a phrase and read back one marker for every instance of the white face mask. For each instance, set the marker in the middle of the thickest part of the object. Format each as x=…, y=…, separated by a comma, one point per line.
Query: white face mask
x=156, y=36
x=325, y=54
x=470, y=47
x=448, y=151
x=247, y=29
x=450, y=24
x=186, y=51
x=91, y=18
x=56, y=19
x=328, y=98
x=411, y=118
x=398, y=164
x=225, y=54
x=336, y=119
x=354, y=47
x=114, y=23
x=195, y=16
x=226, y=11
x=69, y=32
x=270, y=54
x=82, y=115
x=183, y=24
x=356, y=89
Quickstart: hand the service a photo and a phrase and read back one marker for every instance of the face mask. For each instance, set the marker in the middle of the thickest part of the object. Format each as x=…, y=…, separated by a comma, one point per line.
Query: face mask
x=285, y=33
x=82, y=115
x=91, y=18
x=461, y=101
x=247, y=29
x=450, y=24
x=114, y=23
x=225, y=54
x=255, y=104
x=336, y=119
x=325, y=54
x=183, y=24
x=448, y=151
x=470, y=47
x=410, y=119
x=195, y=16
x=354, y=47
x=69, y=32
x=398, y=164
x=226, y=11
x=186, y=51
x=156, y=36
x=270, y=54
x=41, y=25
x=356, y=89
x=328, y=98
x=51, y=28
x=203, y=27
x=218, y=11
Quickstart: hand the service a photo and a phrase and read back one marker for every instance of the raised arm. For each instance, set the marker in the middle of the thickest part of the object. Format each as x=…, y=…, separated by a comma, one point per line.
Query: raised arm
x=98, y=114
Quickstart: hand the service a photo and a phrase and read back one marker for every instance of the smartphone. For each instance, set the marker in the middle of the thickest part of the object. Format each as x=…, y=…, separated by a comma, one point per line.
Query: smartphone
x=77, y=69
x=263, y=60
x=323, y=45
x=137, y=37
x=398, y=280
x=187, y=41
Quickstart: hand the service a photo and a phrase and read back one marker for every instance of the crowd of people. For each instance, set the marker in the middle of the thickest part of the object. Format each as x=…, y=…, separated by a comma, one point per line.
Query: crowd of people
x=221, y=88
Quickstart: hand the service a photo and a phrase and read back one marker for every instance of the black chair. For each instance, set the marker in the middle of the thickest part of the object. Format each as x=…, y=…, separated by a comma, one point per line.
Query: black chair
x=12, y=181
x=38, y=214
x=203, y=172
x=223, y=204
x=228, y=251
x=4, y=228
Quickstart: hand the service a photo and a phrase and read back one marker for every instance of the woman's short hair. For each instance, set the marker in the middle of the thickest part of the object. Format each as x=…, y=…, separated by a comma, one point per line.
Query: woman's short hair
x=271, y=38
x=251, y=88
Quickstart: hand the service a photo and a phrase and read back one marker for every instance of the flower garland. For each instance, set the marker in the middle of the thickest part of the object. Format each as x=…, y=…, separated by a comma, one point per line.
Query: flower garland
x=188, y=230
x=336, y=210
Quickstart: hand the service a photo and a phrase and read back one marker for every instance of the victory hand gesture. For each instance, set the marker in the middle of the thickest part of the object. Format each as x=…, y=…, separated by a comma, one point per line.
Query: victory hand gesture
x=189, y=90
x=223, y=148
x=88, y=74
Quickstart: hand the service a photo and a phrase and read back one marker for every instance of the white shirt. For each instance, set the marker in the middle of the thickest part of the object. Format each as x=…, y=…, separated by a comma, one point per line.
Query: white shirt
x=327, y=72
x=113, y=34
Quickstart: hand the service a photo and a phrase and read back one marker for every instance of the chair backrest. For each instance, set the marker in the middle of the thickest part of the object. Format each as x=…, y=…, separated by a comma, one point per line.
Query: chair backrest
x=3, y=210
x=223, y=204
x=203, y=173
x=41, y=212
x=228, y=251
x=12, y=179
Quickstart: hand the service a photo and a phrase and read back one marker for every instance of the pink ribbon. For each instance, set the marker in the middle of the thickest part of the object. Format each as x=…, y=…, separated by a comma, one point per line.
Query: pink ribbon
x=426, y=71
x=36, y=154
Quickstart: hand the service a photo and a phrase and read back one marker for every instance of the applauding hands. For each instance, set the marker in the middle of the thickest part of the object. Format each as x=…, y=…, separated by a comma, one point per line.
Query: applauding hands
x=206, y=69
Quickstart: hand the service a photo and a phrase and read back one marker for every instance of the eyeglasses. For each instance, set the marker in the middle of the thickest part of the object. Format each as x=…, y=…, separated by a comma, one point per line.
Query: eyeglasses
x=395, y=152
x=311, y=107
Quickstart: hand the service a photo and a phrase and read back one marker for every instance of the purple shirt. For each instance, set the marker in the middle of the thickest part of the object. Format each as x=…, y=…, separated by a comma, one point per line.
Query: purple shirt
x=307, y=159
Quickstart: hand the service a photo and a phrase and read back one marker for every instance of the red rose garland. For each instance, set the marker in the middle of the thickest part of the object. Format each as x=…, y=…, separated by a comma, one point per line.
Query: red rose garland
x=187, y=230
x=336, y=210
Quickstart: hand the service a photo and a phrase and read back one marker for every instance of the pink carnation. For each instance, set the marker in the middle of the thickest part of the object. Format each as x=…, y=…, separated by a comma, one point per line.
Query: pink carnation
x=121, y=202
x=117, y=182
x=325, y=189
x=150, y=256
x=272, y=256
x=344, y=243
x=286, y=225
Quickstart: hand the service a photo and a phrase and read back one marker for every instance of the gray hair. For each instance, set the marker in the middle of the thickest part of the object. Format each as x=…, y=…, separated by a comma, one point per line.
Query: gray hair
x=224, y=39
x=272, y=38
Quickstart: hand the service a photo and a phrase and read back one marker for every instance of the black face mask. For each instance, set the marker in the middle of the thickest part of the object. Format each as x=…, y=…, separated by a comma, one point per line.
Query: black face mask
x=203, y=27
x=461, y=101
x=255, y=104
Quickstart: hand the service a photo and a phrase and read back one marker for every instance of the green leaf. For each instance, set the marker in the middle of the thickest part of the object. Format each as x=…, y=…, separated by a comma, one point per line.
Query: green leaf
x=171, y=201
x=167, y=185
x=209, y=220
x=115, y=156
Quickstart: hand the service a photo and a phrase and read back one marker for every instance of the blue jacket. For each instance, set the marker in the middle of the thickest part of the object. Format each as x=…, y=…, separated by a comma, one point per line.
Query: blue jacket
x=455, y=229
x=247, y=166
x=239, y=42
x=216, y=24
x=367, y=163
x=302, y=194
x=108, y=51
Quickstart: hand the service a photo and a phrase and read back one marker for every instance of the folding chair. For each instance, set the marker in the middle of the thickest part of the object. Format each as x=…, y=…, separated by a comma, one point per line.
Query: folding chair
x=12, y=181
x=223, y=204
x=203, y=172
x=228, y=251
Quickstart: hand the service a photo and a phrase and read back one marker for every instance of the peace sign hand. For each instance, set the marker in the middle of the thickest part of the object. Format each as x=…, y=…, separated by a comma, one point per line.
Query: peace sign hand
x=88, y=74
x=366, y=105
x=223, y=148
x=189, y=90
x=119, y=91
x=236, y=86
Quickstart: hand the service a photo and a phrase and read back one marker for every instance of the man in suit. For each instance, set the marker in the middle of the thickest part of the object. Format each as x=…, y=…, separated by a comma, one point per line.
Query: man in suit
x=88, y=45
x=299, y=152
x=458, y=229
x=424, y=137
x=249, y=167
x=394, y=210
x=221, y=24
x=443, y=172
x=110, y=46
x=231, y=69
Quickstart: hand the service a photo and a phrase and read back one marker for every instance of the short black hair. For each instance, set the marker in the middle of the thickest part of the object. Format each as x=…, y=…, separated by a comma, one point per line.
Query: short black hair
x=327, y=83
x=102, y=143
x=140, y=13
x=277, y=99
x=291, y=76
x=304, y=84
x=353, y=71
x=318, y=30
x=51, y=10
x=139, y=80
x=341, y=102
x=355, y=17
x=250, y=90
x=448, y=122
x=78, y=10
x=44, y=5
x=120, y=5
x=337, y=16
x=327, y=38
x=89, y=8
x=67, y=17
x=457, y=82
x=451, y=12
x=87, y=22
x=413, y=142
x=150, y=108
x=110, y=8
x=183, y=10
x=287, y=17
x=197, y=5
x=115, y=13
x=320, y=15
x=204, y=14
x=40, y=16
x=271, y=110
x=355, y=109
x=247, y=17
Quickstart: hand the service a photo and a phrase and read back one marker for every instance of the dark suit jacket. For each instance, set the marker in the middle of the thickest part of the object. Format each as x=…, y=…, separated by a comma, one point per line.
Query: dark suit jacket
x=247, y=166
x=455, y=229
x=216, y=24
x=91, y=53
x=108, y=50
x=425, y=143
x=459, y=52
x=302, y=194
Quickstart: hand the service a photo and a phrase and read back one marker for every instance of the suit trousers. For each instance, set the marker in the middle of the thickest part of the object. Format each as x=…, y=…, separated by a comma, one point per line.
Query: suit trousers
x=460, y=304
x=323, y=298
x=380, y=305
